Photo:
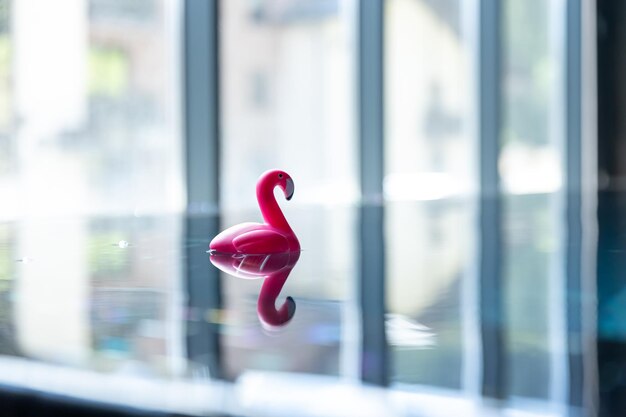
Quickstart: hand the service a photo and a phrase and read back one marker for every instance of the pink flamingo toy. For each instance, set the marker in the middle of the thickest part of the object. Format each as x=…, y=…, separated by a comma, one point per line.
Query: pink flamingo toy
x=273, y=236
x=275, y=268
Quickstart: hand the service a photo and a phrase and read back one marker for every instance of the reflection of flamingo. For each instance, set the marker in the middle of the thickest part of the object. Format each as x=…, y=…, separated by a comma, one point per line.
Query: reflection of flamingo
x=275, y=268
x=273, y=236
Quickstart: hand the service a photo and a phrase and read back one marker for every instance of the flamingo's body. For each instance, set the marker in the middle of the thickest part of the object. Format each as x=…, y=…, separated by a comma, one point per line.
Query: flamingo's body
x=273, y=236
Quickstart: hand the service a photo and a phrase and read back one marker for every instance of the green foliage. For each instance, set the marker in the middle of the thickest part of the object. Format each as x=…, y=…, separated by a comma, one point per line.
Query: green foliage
x=108, y=72
x=528, y=70
x=5, y=72
x=105, y=259
x=7, y=261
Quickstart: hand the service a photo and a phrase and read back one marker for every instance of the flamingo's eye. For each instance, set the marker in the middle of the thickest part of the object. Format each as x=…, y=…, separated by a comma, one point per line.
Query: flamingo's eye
x=280, y=175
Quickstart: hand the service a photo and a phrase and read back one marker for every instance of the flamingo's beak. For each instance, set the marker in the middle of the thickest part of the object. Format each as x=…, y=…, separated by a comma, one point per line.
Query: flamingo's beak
x=291, y=307
x=289, y=189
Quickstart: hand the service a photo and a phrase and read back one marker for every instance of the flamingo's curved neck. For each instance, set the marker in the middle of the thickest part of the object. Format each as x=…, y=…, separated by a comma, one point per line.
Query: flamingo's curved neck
x=266, y=304
x=272, y=214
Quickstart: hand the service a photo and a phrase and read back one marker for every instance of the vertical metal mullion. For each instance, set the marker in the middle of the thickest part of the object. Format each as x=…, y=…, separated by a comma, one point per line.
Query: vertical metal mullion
x=202, y=103
x=491, y=284
x=589, y=201
x=573, y=180
x=202, y=116
x=470, y=320
x=371, y=288
x=610, y=280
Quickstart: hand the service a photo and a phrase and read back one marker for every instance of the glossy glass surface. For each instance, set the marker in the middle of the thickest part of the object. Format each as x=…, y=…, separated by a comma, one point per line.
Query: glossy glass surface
x=119, y=296
x=108, y=294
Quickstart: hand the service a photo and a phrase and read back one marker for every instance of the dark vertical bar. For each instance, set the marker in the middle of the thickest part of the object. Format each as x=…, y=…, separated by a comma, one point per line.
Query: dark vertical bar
x=491, y=306
x=372, y=267
x=370, y=60
x=202, y=103
x=611, y=262
x=573, y=142
x=201, y=46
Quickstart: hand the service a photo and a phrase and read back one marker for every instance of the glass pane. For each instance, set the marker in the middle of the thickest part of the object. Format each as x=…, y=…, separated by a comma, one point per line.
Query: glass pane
x=430, y=174
x=91, y=175
x=92, y=119
x=7, y=164
x=531, y=170
x=287, y=97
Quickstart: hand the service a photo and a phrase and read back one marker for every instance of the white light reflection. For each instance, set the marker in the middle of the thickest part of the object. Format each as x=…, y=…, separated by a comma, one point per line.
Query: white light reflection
x=404, y=332
x=424, y=186
x=523, y=169
x=530, y=170
x=262, y=394
x=280, y=394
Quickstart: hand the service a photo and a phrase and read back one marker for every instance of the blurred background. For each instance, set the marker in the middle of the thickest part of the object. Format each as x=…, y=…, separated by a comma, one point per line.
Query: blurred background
x=458, y=170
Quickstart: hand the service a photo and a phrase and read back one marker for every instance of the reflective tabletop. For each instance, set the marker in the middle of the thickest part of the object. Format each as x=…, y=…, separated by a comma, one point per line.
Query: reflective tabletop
x=386, y=308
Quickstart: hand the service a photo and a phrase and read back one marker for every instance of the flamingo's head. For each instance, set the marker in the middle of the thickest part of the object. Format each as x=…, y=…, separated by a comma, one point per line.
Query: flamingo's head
x=273, y=319
x=278, y=178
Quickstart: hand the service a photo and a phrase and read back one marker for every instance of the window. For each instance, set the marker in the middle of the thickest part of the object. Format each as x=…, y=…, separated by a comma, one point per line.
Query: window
x=287, y=101
x=429, y=182
x=92, y=156
x=132, y=132
x=531, y=168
